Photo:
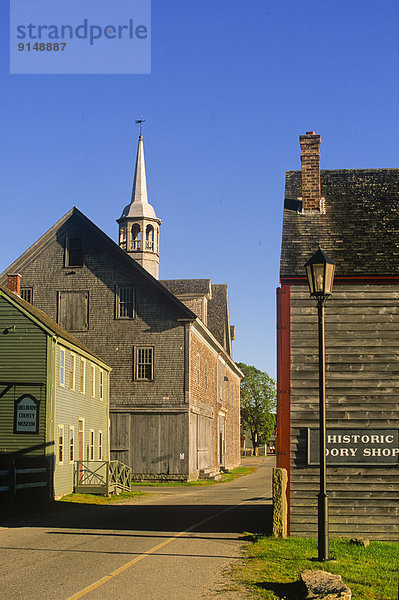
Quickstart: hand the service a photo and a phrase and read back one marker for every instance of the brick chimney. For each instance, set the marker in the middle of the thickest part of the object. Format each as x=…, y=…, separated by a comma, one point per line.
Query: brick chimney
x=310, y=158
x=14, y=283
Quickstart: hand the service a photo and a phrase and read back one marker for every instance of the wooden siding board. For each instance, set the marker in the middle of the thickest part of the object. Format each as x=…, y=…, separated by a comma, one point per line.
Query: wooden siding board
x=362, y=375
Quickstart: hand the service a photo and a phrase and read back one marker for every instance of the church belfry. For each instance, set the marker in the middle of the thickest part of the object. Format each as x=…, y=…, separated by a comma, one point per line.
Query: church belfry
x=138, y=224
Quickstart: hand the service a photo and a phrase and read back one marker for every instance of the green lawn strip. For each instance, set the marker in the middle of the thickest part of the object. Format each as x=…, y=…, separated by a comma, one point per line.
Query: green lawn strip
x=238, y=472
x=98, y=499
x=123, y=497
x=272, y=566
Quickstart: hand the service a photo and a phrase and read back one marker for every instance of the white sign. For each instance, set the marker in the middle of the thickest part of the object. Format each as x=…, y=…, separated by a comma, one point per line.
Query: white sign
x=26, y=416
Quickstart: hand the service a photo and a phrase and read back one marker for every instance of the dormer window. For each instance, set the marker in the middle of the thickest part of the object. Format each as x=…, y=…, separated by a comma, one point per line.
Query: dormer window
x=74, y=252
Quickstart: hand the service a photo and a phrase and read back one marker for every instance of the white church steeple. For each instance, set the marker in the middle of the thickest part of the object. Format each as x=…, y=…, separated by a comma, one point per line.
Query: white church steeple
x=138, y=224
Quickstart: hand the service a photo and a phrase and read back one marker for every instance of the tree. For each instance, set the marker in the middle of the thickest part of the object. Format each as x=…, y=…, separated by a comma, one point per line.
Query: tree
x=258, y=403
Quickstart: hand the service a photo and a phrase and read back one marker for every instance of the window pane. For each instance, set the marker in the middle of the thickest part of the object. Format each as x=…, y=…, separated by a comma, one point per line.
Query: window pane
x=144, y=363
x=125, y=303
x=60, y=443
x=71, y=445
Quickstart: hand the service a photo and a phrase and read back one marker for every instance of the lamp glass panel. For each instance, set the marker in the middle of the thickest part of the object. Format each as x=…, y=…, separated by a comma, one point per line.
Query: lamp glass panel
x=319, y=278
x=309, y=274
x=329, y=278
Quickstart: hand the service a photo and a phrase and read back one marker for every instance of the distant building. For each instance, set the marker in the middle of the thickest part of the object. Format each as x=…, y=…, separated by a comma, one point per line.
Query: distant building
x=54, y=401
x=353, y=215
x=175, y=388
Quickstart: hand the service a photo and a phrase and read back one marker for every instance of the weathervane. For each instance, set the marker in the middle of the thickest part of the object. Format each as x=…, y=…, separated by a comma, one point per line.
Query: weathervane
x=140, y=122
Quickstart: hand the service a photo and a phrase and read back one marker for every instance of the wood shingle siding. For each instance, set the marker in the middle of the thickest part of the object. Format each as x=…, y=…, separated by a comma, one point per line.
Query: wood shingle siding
x=362, y=388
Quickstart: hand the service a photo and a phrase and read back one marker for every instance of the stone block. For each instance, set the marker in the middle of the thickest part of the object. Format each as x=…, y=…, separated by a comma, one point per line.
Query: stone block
x=280, y=508
x=321, y=585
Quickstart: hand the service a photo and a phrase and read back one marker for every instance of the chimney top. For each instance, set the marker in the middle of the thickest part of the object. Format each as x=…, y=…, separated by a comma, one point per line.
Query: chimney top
x=310, y=159
x=14, y=283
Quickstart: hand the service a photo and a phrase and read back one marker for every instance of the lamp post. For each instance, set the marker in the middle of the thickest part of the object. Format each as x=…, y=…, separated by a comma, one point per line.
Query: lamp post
x=320, y=274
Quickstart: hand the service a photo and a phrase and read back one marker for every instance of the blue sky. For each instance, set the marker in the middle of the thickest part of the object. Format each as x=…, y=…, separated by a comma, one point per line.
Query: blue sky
x=231, y=88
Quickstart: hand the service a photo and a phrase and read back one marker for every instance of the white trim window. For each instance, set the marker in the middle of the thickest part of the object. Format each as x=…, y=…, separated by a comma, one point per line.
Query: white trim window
x=72, y=369
x=91, y=446
x=71, y=444
x=125, y=303
x=144, y=363
x=101, y=376
x=82, y=380
x=100, y=445
x=92, y=380
x=62, y=368
x=60, y=445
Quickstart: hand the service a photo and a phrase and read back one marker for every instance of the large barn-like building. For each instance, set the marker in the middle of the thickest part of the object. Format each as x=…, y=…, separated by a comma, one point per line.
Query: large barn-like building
x=174, y=387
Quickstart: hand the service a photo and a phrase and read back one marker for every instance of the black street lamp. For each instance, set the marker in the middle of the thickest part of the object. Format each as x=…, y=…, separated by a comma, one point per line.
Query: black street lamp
x=320, y=273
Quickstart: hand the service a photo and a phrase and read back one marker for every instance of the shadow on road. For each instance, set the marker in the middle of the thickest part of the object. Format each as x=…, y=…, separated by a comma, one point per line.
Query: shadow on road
x=158, y=518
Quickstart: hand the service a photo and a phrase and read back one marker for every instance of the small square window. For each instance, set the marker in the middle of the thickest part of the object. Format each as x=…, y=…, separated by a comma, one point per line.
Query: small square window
x=144, y=363
x=74, y=252
x=27, y=295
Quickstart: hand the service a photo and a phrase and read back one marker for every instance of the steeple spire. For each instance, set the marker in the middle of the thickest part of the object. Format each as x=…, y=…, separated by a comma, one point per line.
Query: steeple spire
x=139, y=192
x=138, y=224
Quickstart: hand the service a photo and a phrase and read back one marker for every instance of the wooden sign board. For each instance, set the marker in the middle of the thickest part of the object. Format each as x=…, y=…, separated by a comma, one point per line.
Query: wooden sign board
x=26, y=414
x=364, y=447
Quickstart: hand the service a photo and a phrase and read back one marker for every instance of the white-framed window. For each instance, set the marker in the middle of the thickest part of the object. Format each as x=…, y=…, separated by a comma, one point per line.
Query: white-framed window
x=198, y=369
x=144, y=363
x=101, y=376
x=72, y=369
x=91, y=446
x=71, y=444
x=92, y=380
x=82, y=380
x=60, y=444
x=125, y=303
x=62, y=367
x=100, y=445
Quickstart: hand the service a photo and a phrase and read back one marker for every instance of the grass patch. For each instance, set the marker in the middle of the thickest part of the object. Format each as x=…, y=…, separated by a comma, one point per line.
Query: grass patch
x=273, y=566
x=97, y=499
x=238, y=472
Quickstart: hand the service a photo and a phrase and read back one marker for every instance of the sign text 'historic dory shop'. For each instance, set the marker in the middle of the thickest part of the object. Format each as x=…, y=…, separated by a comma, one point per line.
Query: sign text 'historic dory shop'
x=26, y=415
x=356, y=447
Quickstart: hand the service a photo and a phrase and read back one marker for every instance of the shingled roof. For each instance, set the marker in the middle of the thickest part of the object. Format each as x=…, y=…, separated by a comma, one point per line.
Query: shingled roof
x=188, y=286
x=358, y=226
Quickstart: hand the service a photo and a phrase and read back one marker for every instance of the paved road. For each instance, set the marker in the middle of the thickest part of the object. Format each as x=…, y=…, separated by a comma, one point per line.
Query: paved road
x=170, y=546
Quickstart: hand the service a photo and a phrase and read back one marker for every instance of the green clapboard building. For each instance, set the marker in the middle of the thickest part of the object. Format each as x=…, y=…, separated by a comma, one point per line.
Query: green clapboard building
x=54, y=402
